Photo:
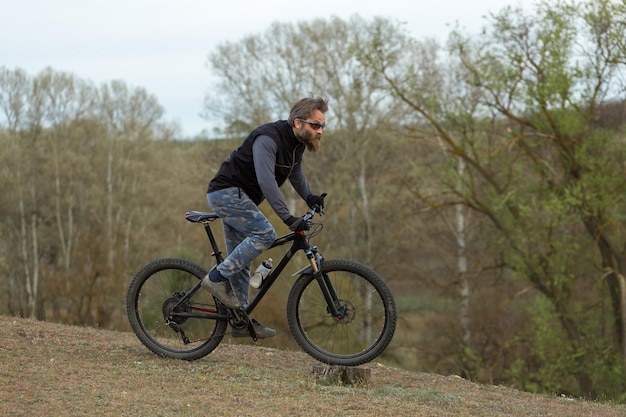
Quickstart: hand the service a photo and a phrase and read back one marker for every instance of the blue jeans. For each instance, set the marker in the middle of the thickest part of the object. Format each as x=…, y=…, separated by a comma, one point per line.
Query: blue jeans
x=247, y=232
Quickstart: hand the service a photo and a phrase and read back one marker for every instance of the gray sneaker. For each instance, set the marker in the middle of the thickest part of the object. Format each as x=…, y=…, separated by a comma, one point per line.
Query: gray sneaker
x=261, y=331
x=223, y=291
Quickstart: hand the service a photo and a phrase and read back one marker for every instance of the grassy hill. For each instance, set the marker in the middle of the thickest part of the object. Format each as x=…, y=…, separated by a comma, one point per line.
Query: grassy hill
x=53, y=370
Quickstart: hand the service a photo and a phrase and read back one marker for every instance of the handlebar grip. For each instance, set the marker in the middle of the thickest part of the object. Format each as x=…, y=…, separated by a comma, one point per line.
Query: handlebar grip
x=318, y=208
x=315, y=209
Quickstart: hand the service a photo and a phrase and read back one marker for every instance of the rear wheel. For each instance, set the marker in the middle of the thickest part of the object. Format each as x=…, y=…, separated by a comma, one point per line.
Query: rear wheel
x=166, y=319
x=367, y=319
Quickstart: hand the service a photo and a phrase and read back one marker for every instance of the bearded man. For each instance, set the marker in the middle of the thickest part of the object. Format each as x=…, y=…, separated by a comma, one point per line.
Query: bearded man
x=254, y=172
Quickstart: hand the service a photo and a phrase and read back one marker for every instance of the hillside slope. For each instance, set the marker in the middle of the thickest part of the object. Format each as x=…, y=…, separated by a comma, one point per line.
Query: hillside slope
x=51, y=370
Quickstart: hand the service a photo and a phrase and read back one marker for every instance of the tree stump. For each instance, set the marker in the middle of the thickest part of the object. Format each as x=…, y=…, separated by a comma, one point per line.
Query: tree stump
x=337, y=375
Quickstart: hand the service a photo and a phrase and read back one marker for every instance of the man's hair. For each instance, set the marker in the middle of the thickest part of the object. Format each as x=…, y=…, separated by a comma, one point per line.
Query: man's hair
x=304, y=107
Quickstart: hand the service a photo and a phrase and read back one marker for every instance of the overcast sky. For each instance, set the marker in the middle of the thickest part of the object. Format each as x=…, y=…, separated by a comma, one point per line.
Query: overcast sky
x=162, y=45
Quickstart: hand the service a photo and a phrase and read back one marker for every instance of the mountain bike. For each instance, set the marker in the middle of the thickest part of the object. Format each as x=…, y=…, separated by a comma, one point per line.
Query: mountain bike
x=339, y=311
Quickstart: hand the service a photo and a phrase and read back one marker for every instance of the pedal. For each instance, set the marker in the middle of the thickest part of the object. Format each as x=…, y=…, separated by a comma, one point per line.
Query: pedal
x=252, y=331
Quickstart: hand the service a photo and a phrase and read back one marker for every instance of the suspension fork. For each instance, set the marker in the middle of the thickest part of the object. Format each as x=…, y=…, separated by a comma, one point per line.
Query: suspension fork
x=326, y=286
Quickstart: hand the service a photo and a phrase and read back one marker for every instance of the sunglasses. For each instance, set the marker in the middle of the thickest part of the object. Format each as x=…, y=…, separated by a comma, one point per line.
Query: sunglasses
x=314, y=125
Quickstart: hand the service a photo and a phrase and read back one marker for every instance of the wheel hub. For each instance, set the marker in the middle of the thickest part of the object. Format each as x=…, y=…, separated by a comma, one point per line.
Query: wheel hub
x=171, y=310
x=346, y=310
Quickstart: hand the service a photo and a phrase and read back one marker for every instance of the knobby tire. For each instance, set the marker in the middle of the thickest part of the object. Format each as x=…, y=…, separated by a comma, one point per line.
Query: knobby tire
x=370, y=314
x=153, y=293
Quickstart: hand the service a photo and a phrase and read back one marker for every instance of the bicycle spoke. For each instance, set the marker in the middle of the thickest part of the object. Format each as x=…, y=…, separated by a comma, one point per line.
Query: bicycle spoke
x=366, y=318
x=167, y=317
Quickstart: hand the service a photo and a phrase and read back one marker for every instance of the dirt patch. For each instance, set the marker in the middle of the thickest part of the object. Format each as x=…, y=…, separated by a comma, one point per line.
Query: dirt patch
x=49, y=369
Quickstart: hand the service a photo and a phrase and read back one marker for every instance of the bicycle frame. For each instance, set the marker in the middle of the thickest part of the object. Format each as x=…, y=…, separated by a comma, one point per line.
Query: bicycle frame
x=300, y=242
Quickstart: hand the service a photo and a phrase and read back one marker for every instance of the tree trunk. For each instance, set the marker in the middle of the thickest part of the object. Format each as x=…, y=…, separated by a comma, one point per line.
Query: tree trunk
x=464, y=288
x=346, y=375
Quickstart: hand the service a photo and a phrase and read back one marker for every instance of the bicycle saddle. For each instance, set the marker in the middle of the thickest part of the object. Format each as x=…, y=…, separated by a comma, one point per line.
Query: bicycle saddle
x=199, y=216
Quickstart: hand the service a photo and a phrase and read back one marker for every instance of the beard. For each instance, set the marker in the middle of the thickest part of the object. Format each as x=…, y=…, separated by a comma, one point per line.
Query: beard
x=310, y=139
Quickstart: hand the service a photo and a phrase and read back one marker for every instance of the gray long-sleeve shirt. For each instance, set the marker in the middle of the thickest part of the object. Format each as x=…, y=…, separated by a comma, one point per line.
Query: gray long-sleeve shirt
x=264, y=155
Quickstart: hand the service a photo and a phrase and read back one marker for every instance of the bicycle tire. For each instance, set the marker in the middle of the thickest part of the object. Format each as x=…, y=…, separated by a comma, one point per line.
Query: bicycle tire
x=366, y=330
x=152, y=293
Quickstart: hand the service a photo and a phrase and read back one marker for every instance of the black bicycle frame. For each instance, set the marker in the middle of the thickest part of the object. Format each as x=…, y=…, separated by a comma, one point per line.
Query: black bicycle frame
x=300, y=242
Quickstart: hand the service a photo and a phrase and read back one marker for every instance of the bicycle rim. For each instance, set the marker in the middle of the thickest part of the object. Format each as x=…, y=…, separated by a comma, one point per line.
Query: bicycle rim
x=369, y=312
x=153, y=307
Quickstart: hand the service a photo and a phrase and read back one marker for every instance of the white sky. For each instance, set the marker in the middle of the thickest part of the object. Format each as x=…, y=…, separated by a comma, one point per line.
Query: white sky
x=162, y=45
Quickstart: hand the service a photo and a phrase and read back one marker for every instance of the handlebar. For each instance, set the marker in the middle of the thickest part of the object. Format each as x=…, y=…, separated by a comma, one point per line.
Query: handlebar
x=308, y=216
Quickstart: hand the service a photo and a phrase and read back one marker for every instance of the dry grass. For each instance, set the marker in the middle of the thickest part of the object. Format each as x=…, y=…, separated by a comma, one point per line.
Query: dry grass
x=58, y=370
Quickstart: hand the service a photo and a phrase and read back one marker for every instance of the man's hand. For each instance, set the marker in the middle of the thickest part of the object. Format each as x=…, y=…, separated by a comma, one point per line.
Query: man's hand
x=315, y=200
x=297, y=224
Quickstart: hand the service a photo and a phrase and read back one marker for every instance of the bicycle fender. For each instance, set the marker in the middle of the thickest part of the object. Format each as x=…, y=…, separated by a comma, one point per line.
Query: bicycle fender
x=309, y=269
x=305, y=270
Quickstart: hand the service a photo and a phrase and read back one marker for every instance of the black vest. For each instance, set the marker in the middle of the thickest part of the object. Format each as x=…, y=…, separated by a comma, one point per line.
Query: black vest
x=238, y=169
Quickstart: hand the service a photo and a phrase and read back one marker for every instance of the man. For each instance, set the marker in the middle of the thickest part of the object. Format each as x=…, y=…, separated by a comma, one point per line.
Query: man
x=269, y=156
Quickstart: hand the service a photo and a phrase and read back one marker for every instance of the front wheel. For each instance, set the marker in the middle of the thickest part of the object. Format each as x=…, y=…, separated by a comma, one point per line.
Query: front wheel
x=367, y=321
x=170, y=314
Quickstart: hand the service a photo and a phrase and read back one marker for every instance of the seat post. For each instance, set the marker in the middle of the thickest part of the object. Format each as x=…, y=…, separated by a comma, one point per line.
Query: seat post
x=216, y=251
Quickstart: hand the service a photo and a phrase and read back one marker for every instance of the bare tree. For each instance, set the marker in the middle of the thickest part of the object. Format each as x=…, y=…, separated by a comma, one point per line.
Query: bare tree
x=262, y=75
x=70, y=141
